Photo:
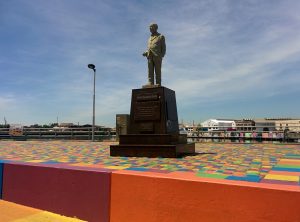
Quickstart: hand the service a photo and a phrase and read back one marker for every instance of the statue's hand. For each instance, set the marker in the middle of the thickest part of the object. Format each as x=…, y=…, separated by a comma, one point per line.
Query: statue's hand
x=145, y=54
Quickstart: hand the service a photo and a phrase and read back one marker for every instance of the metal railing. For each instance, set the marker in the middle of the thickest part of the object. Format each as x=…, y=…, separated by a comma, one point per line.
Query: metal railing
x=282, y=136
x=82, y=133
x=85, y=133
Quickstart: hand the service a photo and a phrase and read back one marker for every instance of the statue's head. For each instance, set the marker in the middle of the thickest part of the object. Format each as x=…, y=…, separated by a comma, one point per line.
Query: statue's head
x=153, y=28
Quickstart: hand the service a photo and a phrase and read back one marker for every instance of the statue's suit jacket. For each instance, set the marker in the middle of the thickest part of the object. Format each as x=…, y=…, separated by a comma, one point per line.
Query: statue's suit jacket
x=157, y=45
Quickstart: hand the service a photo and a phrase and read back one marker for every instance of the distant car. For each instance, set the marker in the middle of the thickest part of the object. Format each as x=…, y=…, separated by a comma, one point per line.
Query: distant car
x=231, y=129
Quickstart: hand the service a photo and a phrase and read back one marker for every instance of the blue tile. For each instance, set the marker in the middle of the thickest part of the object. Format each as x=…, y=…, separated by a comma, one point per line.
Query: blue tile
x=292, y=156
x=137, y=169
x=286, y=169
x=249, y=178
x=1, y=178
x=50, y=162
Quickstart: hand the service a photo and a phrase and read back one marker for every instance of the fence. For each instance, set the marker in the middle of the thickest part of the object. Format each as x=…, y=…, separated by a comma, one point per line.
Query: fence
x=82, y=133
x=85, y=133
x=282, y=136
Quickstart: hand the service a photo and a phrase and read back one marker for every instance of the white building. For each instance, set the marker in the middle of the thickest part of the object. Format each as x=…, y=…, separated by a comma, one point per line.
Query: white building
x=264, y=125
x=286, y=123
x=218, y=124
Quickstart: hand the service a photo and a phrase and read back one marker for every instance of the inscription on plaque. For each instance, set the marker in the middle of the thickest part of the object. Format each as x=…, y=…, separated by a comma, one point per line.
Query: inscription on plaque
x=147, y=97
x=149, y=110
x=146, y=127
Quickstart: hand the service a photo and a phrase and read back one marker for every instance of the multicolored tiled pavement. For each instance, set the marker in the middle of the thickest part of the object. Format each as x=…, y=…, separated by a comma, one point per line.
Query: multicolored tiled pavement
x=260, y=163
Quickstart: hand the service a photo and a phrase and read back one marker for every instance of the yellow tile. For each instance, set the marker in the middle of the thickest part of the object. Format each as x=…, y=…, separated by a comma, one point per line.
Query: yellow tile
x=11, y=212
x=47, y=217
x=281, y=177
x=116, y=167
x=290, y=160
x=267, y=166
x=82, y=164
x=35, y=161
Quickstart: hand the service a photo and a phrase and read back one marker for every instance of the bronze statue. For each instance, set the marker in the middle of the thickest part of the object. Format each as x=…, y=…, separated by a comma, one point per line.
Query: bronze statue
x=155, y=53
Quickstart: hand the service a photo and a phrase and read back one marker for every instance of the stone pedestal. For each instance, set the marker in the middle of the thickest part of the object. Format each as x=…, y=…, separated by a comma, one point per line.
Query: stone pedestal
x=153, y=130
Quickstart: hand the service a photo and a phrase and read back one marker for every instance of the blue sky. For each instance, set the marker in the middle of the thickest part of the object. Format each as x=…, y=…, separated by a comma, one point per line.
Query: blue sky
x=225, y=59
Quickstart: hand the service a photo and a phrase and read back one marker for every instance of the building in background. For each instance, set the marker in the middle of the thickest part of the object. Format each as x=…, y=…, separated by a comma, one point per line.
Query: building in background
x=218, y=124
x=264, y=125
x=286, y=124
x=245, y=125
x=16, y=130
x=65, y=125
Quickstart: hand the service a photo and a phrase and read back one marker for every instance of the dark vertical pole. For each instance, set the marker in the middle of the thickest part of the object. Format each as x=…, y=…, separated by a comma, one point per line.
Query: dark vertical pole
x=93, y=128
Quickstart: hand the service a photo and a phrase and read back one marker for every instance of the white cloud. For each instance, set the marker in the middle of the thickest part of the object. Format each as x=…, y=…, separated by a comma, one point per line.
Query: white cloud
x=238, y=78
x=216, y=51
x=6, y=101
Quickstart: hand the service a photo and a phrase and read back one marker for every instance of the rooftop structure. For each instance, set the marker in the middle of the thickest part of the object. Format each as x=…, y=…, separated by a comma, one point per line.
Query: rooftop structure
x=218, y=124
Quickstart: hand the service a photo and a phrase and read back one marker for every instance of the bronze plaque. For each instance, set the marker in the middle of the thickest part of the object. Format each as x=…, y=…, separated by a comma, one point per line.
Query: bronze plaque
x=149, y=110
x=146, y=127
x=147, y=97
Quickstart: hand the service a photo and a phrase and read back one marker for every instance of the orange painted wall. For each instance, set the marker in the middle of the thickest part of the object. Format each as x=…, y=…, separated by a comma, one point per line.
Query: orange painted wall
x=153, y=198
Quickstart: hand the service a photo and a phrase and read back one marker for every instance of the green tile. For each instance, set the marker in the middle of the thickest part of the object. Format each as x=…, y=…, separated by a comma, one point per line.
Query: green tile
x=207, y=175
x=288, y=166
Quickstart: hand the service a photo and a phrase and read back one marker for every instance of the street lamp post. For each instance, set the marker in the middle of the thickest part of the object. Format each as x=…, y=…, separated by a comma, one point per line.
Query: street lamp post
x=93, y=67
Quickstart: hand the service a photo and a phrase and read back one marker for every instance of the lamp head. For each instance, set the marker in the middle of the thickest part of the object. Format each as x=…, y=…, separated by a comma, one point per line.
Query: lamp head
x=92, y=66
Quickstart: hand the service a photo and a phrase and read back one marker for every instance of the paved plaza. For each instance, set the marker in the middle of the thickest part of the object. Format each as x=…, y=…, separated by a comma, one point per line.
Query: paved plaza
x=11, y=212
x=258, y=163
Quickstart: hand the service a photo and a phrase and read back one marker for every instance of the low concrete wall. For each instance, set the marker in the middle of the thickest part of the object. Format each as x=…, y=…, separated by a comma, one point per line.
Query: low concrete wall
x=84, y=193
x=98, y=195
x=1, y=178
x=150, y=197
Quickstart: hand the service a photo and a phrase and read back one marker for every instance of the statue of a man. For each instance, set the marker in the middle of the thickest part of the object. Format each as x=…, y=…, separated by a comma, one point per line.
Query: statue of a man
x=155, y=53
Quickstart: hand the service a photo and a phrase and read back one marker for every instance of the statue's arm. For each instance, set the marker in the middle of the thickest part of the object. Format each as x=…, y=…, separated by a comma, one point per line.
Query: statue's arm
x=163, y=46
x=146, y=52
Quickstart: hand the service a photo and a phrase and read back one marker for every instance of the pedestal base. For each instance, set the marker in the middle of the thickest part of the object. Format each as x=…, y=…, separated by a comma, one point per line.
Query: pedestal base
x=166, y=151
x=149, y=139
x=153, y=130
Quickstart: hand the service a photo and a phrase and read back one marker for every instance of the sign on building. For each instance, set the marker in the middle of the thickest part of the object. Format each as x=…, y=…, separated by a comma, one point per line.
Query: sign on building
x=16, y=130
